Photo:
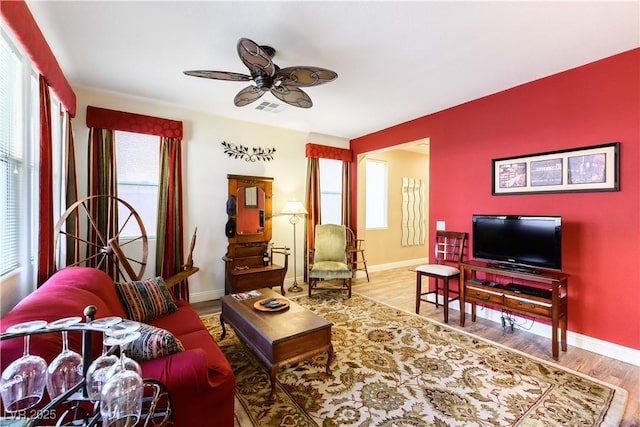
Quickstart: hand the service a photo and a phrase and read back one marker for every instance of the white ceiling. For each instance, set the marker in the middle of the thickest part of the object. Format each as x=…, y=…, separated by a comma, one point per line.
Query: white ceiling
x=396, y=61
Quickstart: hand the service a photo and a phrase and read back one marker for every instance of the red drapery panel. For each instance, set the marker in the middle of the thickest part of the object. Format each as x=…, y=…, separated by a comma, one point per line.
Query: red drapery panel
x=71, y=192
x=326, y=152
x=313, y=207
x=130, y=122
x=346, y=195
x=19, y=18
x=46, y=266
x=169, y=235
x=101, y=181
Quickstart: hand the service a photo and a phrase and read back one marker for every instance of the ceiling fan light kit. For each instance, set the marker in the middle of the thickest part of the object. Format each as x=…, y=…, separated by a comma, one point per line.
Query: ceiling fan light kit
x=283, y=83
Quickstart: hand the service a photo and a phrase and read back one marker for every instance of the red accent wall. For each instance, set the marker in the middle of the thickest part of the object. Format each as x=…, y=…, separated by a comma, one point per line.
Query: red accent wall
x=592, y=104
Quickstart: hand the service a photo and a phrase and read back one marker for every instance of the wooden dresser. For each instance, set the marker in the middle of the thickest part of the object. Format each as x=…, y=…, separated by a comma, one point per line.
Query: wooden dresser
x=249, y=261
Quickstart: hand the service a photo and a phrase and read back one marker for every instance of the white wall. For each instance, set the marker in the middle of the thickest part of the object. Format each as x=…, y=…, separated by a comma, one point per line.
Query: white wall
x=205, y=169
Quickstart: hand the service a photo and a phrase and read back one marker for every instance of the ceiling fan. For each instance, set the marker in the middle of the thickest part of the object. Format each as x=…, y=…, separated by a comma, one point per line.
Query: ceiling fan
x=283, y=83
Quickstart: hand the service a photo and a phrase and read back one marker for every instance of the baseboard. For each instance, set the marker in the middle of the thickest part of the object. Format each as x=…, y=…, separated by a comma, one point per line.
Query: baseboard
x=584, y=342
x=206, y=296
x=219, y=293
x=398, y=264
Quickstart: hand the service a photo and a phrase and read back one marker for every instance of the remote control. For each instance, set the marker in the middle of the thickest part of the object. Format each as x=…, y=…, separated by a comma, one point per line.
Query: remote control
x=267, y=301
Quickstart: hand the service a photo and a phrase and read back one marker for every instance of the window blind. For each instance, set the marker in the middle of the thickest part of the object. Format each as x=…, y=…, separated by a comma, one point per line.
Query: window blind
x=11, y=163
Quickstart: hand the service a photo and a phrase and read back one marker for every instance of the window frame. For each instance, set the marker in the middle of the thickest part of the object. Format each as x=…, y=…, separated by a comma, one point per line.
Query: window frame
x=150, y=228
x=330, y=192
x=24, y=154
x=376, y=207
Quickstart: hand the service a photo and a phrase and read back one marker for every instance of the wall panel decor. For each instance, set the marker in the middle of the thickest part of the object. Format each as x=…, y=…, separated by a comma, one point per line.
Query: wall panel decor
x=413, y=212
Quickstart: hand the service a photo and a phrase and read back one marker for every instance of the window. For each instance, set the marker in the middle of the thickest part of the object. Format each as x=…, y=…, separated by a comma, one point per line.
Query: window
x=19, y=121
x=330, y=191
x=376, y=194
x=58, y=125
x=138, y=166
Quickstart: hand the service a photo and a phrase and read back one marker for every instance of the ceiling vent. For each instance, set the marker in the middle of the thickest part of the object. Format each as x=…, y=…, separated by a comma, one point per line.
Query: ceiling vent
x=271, y=107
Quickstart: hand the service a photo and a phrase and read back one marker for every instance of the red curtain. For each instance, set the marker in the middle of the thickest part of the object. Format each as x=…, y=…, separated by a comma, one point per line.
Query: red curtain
x=71, y=193
x=46, y=262
x=169, y=234
x=18, y=17
x=346, y=194
x=101, y=181
x=131, y=122
x=326, y=152
x=314, y=152
x=313, y=207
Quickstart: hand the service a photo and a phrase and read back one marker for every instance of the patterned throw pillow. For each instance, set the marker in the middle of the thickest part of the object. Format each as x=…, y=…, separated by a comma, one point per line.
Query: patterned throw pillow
x=146, y=300
x=153, y=342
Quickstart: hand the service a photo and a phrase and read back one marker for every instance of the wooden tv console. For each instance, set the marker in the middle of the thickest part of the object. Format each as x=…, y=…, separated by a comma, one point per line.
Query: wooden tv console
x=490, y=288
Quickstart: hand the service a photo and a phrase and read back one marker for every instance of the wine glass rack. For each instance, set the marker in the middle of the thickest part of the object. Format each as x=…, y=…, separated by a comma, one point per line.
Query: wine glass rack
x=74, y=408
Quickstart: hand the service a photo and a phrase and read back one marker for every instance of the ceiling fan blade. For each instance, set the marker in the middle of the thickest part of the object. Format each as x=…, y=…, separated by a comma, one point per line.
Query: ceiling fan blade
x=292, y=96
x=218, y=75
x=255, y=57
x=248, y=95
x=305, y=76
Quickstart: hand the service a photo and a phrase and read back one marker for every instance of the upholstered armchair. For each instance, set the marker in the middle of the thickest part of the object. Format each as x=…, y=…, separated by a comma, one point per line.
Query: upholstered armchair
x=329, y=259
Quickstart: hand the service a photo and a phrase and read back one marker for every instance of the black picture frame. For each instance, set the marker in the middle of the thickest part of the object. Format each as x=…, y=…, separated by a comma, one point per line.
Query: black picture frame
x=592, y=168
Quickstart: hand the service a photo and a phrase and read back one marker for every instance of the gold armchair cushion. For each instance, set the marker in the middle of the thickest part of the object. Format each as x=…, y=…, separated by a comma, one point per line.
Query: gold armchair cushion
x=330, y=244
x=330, y=270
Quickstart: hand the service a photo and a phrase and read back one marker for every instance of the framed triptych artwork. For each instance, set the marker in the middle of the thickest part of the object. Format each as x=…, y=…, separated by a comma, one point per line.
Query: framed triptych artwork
x=593, y=168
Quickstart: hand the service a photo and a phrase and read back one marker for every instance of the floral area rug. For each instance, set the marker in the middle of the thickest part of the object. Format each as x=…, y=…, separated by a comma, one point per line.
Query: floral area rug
x=393, y=368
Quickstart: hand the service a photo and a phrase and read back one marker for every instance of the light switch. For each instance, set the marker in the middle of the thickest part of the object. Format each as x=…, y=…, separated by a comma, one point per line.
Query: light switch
x=440, y=225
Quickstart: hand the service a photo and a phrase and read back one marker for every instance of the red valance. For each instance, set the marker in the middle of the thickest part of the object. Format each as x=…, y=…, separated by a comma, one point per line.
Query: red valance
x=326, y=152
x=19, y=18
x=130, y=122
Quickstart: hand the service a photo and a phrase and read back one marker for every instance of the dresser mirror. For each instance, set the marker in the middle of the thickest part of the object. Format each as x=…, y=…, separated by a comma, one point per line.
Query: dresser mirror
x=250, y=214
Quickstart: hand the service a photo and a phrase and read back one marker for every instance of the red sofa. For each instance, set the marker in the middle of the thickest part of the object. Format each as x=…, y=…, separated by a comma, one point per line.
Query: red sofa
x=199, y=379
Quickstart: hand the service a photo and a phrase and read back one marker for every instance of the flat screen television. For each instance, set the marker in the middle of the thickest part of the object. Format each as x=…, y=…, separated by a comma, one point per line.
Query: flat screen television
x=518, y=242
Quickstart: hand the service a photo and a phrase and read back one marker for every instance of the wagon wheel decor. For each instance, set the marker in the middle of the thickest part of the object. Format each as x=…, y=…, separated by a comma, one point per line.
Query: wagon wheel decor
x=114, y=241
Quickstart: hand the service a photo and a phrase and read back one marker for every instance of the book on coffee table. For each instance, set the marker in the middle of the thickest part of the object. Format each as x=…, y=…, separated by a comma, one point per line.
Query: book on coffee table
x=246, y=295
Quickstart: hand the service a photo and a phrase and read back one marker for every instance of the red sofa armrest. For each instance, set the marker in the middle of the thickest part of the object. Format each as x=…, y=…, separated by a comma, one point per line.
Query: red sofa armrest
x=207, y=392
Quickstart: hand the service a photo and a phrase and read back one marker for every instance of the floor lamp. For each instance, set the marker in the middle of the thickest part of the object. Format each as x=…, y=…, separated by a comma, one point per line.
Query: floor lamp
x=295, y=209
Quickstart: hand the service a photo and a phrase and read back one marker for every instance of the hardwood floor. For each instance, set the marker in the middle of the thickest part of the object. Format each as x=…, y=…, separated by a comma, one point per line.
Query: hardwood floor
x=396, y=287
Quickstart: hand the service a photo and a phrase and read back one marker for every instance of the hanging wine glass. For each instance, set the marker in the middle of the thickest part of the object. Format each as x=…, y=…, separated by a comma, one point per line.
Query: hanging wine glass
x=99, y=370
x=22, y=382
x=124, y=328
x=65, y=371
x=121, y=396
x=105, y=322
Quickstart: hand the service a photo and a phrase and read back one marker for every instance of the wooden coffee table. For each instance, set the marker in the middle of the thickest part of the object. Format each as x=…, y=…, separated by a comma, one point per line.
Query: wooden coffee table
x=280, y=337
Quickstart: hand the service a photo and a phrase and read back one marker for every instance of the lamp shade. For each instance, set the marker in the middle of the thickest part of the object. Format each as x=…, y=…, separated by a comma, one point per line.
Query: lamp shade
x=294, y=208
